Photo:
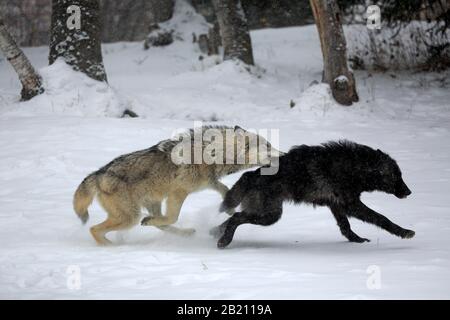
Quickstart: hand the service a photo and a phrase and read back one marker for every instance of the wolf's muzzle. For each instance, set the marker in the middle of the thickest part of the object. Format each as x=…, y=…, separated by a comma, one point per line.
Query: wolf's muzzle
x=402, y=191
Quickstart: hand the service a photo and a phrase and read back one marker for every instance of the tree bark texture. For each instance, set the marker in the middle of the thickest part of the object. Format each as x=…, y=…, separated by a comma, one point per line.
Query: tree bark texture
x=30, y=79
x=80, y=48
x=234, y=30
x=334, y=50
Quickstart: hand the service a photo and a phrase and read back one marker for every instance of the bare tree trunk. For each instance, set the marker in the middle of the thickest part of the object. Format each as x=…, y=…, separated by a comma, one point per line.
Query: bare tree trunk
x=234, y=30
x=30, y=79
x=131, y=20
x=79, y=47
x=334, y=50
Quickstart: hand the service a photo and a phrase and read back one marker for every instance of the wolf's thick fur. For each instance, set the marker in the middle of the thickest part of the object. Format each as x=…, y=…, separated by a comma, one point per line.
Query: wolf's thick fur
x=145, y=178
x=333, y=174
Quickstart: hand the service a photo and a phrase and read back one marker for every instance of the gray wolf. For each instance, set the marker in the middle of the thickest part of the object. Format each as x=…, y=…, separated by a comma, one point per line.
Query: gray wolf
x=143, y=179
x=333, y=174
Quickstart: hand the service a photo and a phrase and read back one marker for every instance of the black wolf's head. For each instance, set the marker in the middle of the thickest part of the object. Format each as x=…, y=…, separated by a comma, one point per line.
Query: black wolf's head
x=389, y=176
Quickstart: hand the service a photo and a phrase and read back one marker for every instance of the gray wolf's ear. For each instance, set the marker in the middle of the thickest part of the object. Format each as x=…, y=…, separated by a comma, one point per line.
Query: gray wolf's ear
x=237, y=128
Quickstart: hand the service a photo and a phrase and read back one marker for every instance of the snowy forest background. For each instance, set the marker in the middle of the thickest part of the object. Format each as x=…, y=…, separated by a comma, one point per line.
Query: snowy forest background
x=147, y=68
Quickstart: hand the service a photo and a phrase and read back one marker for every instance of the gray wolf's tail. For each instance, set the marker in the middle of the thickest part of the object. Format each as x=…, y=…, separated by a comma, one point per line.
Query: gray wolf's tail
x=237, y=193
x=84, y=196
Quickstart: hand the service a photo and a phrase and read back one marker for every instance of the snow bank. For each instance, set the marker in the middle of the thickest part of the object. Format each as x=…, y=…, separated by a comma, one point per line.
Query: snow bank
x=72, y=93
x=214, y=92
x=316, y=98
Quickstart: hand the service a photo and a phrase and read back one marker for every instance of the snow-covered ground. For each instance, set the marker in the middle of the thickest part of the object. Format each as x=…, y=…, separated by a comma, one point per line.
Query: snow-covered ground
x=48, y=145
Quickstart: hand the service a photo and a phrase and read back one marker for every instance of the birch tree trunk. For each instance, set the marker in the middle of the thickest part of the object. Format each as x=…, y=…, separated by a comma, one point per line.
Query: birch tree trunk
x=79, y=47
x=30, y=79
x=334, y=50
x=234, y=30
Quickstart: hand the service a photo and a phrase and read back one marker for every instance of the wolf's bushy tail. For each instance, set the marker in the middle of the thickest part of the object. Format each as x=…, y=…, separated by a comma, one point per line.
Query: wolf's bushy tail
x=236, y=194
x=84, y=196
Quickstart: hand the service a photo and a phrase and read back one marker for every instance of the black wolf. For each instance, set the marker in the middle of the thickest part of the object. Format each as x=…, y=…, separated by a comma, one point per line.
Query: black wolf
x=333, y=174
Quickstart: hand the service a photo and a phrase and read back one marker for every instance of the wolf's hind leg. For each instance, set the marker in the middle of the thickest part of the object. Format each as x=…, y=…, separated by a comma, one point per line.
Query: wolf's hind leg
x=154, y=208
x=98, y=231
x=263, y=219
x=360, y=211
x=344, y=225
x=120, y=217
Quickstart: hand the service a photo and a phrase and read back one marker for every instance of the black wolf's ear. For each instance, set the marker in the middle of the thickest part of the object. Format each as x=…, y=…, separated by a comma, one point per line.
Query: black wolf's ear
x=237, y=128
x=383, y=156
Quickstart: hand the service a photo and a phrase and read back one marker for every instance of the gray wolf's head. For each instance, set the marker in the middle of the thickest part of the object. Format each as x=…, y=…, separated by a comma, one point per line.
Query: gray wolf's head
x=223, y=145
x=253, y=149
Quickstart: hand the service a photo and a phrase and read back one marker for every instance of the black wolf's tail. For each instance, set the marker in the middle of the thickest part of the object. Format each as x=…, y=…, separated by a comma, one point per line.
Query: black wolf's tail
x=83, y=197
x=236, y=194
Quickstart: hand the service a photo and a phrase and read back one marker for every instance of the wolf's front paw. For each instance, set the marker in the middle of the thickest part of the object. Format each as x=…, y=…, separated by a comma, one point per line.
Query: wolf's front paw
x=147, y=221
x=359, y=240
x=407, y=234
x=224, y=241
